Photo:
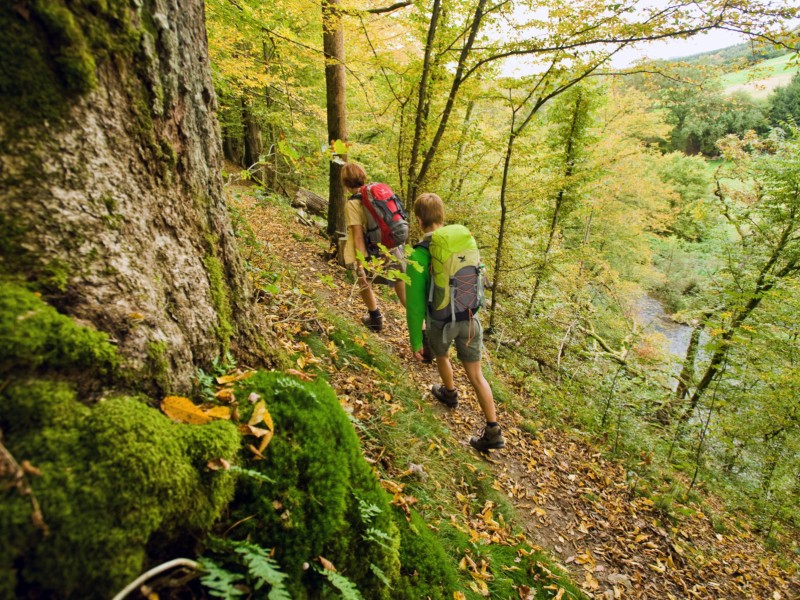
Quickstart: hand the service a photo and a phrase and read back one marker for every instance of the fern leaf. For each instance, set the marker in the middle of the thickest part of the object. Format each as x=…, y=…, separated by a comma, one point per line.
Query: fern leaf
x=380, y=575
x=220, y=582
x=264, y=569
x=343, y=584
x=250, y=473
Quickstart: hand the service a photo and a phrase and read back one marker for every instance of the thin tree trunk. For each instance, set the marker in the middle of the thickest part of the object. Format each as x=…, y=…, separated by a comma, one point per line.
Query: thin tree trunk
x=333, y=45
x=501, y=234
x=253, y=144
x=687, y=375
x=459, y=173
x=569, y=166
x=415, y=179
x=422, y=102
x=764, y=283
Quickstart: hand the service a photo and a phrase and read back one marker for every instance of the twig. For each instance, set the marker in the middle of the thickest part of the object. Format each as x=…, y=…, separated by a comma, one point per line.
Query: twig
x=177, y=562
x=10, y=468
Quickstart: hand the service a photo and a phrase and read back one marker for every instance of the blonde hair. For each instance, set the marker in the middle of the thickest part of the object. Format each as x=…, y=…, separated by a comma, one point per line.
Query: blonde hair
x=429, y=208
x=353, y=175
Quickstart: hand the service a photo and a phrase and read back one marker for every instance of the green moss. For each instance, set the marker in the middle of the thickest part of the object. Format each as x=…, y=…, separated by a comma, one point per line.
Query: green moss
x=426, y=571
x=168, y=154
x=221, y=299
x=159, y=364
x=70, y=48
x=325, y=500
x=113, y=476
x=50, y=50
x=33, y=335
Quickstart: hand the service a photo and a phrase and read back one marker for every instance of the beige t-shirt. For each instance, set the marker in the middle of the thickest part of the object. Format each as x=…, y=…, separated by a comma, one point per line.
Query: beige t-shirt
x=354, y=214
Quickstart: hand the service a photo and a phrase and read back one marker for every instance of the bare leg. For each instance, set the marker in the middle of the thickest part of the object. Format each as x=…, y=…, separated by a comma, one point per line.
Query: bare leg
x=445, y=372
x=482, y=389
x=366, y=290
x=400, y=290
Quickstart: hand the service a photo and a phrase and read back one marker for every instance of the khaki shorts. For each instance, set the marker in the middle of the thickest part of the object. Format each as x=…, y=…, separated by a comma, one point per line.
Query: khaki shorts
x=467, y=335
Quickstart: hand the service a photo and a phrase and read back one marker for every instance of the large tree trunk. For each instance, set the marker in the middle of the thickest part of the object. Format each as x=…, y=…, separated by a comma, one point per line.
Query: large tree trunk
x=112, y=203
x=333, y=44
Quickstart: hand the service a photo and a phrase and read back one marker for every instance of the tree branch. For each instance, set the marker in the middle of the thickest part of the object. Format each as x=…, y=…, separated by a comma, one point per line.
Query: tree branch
x=388, y=9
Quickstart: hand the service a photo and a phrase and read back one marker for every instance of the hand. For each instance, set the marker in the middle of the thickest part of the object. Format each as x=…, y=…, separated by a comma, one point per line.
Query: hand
x=417, y=355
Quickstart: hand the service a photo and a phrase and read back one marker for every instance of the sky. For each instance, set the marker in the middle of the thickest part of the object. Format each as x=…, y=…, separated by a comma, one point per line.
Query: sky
x=713, y=40
x=669, y=48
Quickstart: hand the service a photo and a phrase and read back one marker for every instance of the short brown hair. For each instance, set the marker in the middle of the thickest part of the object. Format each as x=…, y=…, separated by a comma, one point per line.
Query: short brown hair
x=430, y=209
x=353, y=175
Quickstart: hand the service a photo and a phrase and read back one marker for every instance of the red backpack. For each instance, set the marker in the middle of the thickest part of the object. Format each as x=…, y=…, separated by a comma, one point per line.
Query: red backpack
x=387, y=222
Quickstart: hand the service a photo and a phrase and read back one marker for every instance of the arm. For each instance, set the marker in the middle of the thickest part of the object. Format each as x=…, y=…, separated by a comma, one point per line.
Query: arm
x=417, y=296
x=358, y=240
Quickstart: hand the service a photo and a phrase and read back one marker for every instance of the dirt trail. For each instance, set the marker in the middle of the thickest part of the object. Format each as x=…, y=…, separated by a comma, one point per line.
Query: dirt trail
x=577, y=505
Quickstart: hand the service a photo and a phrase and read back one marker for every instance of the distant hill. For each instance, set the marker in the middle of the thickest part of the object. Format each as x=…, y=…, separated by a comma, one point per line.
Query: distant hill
x=750, y=67
x=748, y=53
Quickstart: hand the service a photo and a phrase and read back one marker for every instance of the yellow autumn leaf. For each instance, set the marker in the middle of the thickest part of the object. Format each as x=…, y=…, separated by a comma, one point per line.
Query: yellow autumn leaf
x=459, y=596
x=235, y=377
x=258, y=432
x=265, y=440
x=259, y=410
x=219, y=412
x=226, y=395
x=183, y=410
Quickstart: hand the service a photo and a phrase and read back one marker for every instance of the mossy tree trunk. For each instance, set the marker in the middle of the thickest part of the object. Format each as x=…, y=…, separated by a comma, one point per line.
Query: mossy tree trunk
x=112, y=202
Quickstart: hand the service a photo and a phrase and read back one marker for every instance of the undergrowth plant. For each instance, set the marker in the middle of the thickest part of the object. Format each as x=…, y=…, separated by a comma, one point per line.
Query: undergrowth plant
x=251, y=567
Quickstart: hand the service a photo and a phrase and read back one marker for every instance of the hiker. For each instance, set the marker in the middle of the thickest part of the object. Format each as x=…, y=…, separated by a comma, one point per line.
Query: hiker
x=360, y=225
x=447, y=292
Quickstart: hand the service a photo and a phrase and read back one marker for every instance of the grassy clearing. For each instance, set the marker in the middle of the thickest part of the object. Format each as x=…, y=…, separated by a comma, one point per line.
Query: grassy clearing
x=764, y=70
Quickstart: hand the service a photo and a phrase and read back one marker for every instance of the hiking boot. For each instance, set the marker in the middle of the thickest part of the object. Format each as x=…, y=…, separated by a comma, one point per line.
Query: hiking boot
x=447, y=397
x=373, y=323
x=491, y=439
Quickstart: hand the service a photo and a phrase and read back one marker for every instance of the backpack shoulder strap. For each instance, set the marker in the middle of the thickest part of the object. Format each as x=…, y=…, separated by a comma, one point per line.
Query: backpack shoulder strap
x=366, y=202
x=424, y=243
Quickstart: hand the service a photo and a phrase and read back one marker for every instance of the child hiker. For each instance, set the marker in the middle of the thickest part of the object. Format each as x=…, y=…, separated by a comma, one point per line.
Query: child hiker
x=447, y=292
x=357, y=220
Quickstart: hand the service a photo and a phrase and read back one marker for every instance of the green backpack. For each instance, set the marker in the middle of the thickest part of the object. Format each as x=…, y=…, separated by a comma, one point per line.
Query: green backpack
x=456, y=289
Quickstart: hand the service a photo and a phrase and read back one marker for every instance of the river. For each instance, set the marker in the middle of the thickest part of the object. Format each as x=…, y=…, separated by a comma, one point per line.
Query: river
x=651, y=314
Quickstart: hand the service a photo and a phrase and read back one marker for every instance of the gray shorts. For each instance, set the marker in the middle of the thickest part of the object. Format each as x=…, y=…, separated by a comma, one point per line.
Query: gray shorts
x=467, y=335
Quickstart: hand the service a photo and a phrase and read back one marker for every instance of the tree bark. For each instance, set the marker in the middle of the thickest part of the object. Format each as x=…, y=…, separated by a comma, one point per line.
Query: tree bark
x=112, y=204
x=253, y=142
x=333, y=45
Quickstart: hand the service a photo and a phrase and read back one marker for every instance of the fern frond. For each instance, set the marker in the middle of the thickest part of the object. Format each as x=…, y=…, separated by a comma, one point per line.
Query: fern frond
x=380, y=575
x=264, y=569
x=343, y=584
x=368, y=511
x=250, y=473
x=219, y=582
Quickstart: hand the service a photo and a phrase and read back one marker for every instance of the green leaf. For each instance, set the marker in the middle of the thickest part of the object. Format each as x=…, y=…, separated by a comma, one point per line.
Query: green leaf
x=339, y=147
x=286, y=150
x=380, y=575
x=271, y=288
x=264, y=569
x=219, y=582
x=343, y=584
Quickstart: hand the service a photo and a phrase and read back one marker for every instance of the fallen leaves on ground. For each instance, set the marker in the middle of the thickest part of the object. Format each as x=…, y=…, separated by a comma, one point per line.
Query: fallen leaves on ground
x=569, y=499
x=183, y=410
